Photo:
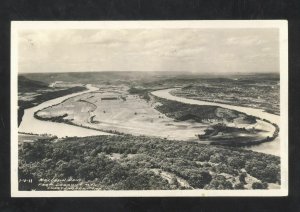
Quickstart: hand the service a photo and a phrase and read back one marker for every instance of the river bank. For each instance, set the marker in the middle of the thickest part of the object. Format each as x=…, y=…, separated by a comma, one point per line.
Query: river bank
x=272, y=147
x=30, y=124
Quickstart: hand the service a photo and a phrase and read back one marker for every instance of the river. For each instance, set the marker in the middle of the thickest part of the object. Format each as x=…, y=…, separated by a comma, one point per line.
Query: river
x=30, y=124
x=272, y=147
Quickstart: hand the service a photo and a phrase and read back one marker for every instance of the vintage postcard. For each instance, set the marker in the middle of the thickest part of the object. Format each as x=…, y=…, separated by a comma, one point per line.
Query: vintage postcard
x=149, y=108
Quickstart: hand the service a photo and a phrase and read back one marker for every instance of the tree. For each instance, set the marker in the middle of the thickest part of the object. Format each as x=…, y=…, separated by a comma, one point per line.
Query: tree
x=219, y=182
x=239, y=186
x=200, y=180
x=258, y=185
x=64, y=169
x=217, y=158
x=116, y=174
x=203, y=156
x=35, y=151
x=271, y=173
x=236, y=162
x=174, y=183
x=265, y=172
x=242, y=177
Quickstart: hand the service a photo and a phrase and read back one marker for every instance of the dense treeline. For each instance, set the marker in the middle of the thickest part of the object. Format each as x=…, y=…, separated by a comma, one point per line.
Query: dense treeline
x=181, y=111
x=127, y=162
x=59, y=119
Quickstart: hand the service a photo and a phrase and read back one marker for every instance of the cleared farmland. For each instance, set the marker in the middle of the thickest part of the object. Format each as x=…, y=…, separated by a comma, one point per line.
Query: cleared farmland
x=114, y=109
x=109, y=112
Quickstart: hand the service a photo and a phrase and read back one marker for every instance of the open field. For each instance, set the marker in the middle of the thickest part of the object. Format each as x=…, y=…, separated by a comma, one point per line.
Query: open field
x=255, y=90
x=31, y=93
x=109, y=110
x=113, y=109
x=123, y=104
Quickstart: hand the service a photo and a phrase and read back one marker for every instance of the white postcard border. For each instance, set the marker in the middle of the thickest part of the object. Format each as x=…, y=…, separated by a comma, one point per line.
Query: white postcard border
x=282, y=25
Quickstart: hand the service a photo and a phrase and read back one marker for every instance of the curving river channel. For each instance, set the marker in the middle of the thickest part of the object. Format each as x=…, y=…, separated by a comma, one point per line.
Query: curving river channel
x=30, y=124
x=272, y=147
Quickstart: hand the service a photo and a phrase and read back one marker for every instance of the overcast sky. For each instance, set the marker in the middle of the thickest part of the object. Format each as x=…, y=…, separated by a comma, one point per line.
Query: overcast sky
x=196, y=50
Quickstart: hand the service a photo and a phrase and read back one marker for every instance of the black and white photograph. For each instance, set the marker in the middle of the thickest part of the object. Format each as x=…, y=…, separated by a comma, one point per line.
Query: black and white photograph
x=149, y=108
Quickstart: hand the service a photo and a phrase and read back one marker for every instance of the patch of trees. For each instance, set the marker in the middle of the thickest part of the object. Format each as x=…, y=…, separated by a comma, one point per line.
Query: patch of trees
x=220, y=128
x=250, y=119
x=59, y=119
x=182, y=112
x=265, y=171
x=220, y=134
x=219, y=182
x=258, y=185
x=141, y=92
x=88, y=159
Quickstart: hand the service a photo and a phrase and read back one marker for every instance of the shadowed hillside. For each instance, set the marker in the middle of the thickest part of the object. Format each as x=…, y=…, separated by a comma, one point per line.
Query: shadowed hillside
x=32, y=92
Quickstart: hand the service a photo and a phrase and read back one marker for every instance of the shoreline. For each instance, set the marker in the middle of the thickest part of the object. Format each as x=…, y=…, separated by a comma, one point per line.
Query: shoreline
x=114, y=132
x=232, y=104
x=30, y=124
x=166, y=94
x=52, y=95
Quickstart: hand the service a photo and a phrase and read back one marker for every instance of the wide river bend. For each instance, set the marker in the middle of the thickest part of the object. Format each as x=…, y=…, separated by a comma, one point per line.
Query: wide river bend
x=272, y=147
x=30, y=124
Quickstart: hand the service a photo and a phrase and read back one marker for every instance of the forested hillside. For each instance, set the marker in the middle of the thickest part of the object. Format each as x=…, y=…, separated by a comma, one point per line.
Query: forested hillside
x=136, y=162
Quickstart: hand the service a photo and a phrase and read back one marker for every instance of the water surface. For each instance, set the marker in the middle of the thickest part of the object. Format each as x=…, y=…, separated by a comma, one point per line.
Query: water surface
x=272, y=147
x=30, y=124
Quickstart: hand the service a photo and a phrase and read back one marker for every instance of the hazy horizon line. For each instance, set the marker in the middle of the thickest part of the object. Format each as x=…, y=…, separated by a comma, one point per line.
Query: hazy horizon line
x=191, y=72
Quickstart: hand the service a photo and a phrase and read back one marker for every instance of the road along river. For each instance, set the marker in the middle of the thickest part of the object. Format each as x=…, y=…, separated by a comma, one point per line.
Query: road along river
x=30, y=124
x=272, y=147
